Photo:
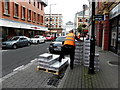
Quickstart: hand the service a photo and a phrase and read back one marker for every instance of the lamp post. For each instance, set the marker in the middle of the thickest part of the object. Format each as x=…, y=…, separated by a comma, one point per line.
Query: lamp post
x=92, y=41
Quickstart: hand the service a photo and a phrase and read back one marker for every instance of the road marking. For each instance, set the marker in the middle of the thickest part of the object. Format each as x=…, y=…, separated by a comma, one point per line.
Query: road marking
x=3, y=50
x=33, y=60
x=18, y=68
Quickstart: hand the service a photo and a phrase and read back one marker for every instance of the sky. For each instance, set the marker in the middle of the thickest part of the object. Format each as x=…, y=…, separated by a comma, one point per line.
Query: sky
x=67, y=8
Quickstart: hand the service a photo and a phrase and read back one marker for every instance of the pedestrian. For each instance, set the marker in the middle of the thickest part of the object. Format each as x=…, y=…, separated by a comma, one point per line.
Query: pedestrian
x=69, y=47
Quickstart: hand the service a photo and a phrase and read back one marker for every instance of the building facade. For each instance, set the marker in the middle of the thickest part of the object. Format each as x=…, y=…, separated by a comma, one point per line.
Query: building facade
x=82, y=18
x=108, y=30
x=67, y=27
x=54, y=23
x=24, y=17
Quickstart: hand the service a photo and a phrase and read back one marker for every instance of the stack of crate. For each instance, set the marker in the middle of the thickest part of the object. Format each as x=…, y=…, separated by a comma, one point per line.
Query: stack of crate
x=86, y=52
x=78, y=59
x=86, y=56
x=97, y=62
x=49, y=63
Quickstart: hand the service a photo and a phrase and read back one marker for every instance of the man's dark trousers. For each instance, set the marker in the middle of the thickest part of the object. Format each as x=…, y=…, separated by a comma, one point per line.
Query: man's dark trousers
x=68, y=50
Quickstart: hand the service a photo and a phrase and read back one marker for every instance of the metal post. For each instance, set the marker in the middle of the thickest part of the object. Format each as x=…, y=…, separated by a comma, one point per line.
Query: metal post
x=83, y=20
x=92, y=41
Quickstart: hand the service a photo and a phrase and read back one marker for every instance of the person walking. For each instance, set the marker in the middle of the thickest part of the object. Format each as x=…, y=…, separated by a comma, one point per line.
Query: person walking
x=69, y=47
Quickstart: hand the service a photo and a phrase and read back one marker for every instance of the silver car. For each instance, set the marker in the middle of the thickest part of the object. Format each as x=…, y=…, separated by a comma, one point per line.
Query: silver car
x=16, y=41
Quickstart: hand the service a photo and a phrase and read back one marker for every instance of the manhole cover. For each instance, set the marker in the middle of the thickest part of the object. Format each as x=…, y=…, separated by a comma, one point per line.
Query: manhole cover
x=114, y=62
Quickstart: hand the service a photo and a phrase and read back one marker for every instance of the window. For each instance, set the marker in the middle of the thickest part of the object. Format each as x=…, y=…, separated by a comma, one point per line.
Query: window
x=23, y=12
x=34, y=16
x=38, y=4
x=41, y=6
x=29, y=14
x=34, y=2
x=29, y=1
x=38, y=17
x=16, y=10
x=6, y=8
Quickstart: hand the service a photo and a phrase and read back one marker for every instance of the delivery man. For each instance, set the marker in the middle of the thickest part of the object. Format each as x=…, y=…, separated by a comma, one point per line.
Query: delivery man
x=69, y=47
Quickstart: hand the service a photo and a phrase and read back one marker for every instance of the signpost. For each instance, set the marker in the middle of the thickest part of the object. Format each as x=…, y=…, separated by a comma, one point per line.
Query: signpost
x=98, y=17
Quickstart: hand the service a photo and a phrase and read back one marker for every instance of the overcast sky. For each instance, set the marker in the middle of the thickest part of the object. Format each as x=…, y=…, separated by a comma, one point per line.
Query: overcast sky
x=67, y=8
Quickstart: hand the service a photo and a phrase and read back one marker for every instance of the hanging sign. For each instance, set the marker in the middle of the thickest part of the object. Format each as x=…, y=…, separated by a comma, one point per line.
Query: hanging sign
x=98, y=17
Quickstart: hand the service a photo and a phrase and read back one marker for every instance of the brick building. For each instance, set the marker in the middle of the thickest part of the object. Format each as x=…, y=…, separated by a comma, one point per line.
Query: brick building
x=54, y=23
x=82, y=18
x=24, y=17
x=108, y=31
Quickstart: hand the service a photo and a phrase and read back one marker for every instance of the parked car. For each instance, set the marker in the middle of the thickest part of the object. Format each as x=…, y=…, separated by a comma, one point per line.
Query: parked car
x=57, y=44
x=50, y=37
x=38, y=39
x=16, y=41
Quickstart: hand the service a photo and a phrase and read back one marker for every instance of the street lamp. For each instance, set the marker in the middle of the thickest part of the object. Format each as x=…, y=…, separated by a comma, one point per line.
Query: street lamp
x=92, y=41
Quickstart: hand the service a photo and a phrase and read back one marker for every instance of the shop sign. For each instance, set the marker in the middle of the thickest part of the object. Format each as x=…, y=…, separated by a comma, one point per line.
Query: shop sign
x=98, y=17
x=115, y=11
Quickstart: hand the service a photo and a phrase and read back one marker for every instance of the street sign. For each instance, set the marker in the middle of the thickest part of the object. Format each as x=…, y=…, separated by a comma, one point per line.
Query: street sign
x=98, y=17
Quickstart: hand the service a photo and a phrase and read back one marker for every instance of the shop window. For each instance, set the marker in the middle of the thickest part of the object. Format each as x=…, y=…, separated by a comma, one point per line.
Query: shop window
x=16, y=10
x=29, y=15
x=6, y=7
x=23, y=13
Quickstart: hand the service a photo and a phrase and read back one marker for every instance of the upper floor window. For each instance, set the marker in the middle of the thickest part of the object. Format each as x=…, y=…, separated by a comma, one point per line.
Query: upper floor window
x=29, y=14
x=29, y=1
x=6, y=8
x=38, y=17
x=23, y=12
x=38, y=4
x=34, y=2
x=34, y=16
x=16, y=10
x=41, y=6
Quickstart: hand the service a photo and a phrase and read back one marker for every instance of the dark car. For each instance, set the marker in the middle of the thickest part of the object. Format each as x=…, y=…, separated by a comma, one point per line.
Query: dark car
x=57, y=44
x=16, y=41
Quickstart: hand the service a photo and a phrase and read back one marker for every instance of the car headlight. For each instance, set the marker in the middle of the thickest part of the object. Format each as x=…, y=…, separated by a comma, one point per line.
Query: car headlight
x=51, y=45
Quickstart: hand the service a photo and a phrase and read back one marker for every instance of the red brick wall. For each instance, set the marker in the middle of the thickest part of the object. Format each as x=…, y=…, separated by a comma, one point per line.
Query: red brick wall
x=28, y=6
x=106, y=28
x=99, y=33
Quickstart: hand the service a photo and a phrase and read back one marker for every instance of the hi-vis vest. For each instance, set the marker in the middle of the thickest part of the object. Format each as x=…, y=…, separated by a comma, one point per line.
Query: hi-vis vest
x=70, y=39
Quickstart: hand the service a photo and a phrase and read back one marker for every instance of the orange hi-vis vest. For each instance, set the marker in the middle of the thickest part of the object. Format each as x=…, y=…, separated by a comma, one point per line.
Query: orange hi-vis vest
x=70, y=39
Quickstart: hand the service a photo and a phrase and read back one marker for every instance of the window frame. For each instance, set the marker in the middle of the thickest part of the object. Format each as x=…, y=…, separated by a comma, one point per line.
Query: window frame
x=23, y=13
x=16, y=15
x=6, y=8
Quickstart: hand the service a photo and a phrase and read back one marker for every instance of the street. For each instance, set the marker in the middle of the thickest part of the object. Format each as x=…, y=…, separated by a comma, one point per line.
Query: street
x=13, y=58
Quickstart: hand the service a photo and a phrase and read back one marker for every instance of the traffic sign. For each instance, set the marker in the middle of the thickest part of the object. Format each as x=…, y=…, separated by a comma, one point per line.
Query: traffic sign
x=98, y=17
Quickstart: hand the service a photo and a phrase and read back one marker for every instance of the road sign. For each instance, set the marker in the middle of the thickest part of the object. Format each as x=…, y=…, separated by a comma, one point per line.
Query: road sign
x=98, y=17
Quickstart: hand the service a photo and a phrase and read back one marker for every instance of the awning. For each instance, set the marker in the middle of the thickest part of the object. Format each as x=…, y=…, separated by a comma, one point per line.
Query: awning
x=15, y=24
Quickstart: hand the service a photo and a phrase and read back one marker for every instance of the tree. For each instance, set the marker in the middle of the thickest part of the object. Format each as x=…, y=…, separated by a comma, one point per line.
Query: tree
x=79, y=29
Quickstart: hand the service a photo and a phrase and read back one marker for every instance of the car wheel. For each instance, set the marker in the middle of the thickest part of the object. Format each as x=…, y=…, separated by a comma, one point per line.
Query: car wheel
x=14, y=46
x=28, y=44
x=51, y=51
x=38, y=42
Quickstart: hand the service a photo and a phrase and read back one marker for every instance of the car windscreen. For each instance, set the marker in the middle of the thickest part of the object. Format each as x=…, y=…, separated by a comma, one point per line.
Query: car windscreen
x=36, y=36
x=60, y=39
x=14, y=38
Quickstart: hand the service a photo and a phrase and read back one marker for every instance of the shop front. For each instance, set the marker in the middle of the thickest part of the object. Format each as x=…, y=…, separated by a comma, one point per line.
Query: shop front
x=115, y=29
x=13, y=28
